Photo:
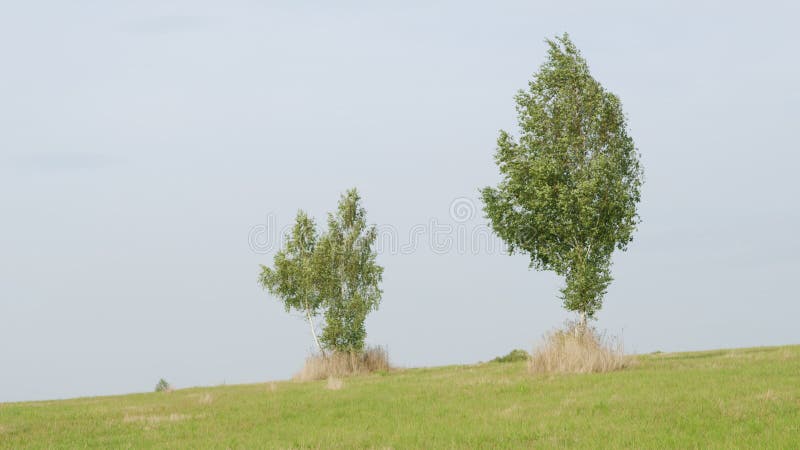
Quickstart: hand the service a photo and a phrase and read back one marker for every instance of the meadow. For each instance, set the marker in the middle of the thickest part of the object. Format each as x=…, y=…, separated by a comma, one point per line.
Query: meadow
x=741, y=398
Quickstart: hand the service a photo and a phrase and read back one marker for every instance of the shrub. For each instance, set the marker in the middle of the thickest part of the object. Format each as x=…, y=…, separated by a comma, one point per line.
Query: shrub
x=578, y=349
x=163, y=386
x=340, y=364
x=513, y=356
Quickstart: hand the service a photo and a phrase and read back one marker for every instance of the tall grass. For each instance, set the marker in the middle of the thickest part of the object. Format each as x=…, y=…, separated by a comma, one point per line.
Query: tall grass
x=577, y=349
x=320, y=367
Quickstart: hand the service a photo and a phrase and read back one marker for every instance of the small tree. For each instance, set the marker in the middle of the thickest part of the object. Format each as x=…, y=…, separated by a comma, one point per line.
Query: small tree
x=352, y=278
x=334, y=275
x=163, y=386
x=295, y=279
x=571, y=181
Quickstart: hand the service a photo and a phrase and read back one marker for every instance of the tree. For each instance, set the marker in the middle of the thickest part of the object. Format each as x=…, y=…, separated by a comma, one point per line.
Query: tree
x=334, y=275
x=352, y=278
x=570, y=182
x=295, y=279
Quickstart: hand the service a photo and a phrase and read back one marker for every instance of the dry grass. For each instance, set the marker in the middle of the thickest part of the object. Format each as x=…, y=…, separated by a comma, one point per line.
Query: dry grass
x=334, y=384
x=578, y=350
x=319, y=367
x=174, y=417
x=769, y=396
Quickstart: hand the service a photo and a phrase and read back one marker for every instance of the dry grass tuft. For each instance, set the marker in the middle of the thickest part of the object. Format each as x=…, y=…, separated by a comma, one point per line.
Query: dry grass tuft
x=578, y=350
x=319, y=367
x=206, y=399
x=174, y=417
x=334, y=384
x=769, y=396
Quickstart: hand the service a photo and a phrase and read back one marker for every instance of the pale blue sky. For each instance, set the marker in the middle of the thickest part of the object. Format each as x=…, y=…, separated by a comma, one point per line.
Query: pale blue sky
x=141, y=142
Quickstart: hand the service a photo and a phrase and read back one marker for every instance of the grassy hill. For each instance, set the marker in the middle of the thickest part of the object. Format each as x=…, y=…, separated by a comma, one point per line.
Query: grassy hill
x=747, y=398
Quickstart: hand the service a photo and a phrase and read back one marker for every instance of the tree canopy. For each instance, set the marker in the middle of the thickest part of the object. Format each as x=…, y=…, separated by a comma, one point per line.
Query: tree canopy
x=334, y=274
x=295, y=279
x=352, y=286
x=570, y=181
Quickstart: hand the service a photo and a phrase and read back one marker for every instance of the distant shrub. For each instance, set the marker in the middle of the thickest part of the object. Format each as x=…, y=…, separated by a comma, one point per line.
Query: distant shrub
x=578, y=349
x=513, y=356
x=163, y=386
x=340, y=364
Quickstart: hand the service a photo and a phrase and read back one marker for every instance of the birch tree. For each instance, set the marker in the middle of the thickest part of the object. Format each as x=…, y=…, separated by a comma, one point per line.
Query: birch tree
x=352, y=276
x=570, y=181
x=295, y=278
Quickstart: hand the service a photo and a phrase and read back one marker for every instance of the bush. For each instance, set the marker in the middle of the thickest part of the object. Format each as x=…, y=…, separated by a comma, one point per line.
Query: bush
x=163, y=386
x=513, y=356
x=578, y=349
x=319, y=367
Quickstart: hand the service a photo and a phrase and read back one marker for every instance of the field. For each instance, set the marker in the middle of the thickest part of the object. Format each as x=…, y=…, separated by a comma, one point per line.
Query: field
x=745, y=398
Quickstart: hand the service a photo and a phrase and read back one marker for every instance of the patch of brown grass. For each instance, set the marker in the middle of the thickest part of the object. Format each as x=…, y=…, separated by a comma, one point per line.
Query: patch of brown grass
x=320, y=367
x=577, y=349
x=769, y=396
x=174, y=417
x=334, y=384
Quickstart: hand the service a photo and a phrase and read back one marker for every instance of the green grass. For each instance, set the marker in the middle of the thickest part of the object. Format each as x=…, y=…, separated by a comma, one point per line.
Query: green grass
x=748, y=398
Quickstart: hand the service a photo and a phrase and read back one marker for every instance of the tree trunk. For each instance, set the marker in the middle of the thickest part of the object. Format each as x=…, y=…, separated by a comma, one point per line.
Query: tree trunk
x=582, y=322
x=314, y=332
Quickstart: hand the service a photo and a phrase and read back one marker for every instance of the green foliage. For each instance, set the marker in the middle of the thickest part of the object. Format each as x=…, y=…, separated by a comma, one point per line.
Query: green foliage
x=333, y=274
x=513, y=356
x=163, y=386
x=294, y=279
x=352, y=279
x=571, y=180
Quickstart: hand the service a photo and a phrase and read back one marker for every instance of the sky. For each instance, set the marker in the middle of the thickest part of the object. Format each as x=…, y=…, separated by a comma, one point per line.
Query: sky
x=152, y=152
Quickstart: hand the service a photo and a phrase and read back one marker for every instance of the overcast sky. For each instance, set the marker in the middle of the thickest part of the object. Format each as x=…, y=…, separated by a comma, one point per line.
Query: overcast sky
x=150, y=152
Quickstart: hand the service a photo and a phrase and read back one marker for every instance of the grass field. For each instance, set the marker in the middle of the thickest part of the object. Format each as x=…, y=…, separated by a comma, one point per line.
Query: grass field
x=747, y=398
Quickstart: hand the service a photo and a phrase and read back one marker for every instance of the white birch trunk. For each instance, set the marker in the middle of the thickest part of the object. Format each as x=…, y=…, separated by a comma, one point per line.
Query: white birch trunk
x=314, y=332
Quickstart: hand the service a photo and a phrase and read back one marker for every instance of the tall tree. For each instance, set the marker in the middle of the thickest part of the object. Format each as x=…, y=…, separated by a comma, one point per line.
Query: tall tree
x=352, y=277
x=570, y=182
x=295, y=278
